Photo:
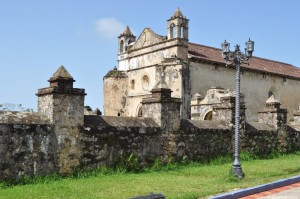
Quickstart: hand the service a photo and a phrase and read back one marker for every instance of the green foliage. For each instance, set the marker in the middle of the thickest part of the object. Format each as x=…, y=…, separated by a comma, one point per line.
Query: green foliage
x=129, y=164
x=245, y=156
x=29, y=180
x=254, y=156
x=221, y=160
x=114, y=73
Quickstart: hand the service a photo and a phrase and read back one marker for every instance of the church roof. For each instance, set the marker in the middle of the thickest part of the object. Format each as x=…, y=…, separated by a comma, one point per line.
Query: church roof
x=178, y=13
x=127, y=32
x=211, y=54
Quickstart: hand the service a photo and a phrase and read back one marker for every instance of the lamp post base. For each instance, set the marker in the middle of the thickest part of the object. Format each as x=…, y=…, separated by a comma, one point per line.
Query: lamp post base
x=237, y=171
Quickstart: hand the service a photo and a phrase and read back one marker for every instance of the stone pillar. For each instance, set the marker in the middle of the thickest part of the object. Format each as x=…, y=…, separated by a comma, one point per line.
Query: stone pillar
x=195, y=106
x=225, y=110
x=64, y=106
x=272, y=114
x=165, y=111
x=115, y=87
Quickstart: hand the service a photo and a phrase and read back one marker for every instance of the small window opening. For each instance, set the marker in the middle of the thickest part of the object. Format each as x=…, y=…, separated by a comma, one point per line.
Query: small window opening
x=140, y=112
x=172, y=31
x=145, y=82
x=119, y=114
x=121, y=46
x=270, y=94
x=132, y=84
x=181, y=32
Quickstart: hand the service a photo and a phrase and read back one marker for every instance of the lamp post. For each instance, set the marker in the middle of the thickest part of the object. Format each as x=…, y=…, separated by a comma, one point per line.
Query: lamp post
x=237, y=58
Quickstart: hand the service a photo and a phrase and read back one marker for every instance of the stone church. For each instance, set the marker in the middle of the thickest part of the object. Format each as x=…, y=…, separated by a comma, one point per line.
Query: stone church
x=158, y=104
x=195, y=73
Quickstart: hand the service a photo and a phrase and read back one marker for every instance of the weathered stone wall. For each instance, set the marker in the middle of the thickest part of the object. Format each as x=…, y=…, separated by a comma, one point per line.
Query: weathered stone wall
x=26, y=150
x=111, y=140
x=202, y=140
x=263, y=139
x=30, y=149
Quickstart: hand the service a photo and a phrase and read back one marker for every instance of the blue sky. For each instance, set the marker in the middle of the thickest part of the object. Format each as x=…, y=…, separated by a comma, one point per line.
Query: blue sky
x=36, y=37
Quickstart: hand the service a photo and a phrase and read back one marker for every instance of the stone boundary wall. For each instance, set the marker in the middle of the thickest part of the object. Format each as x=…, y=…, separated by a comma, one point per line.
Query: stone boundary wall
x=26, y=150
x=261, y=139
x=30, y=149
x=198, y=143
x=110, y=140
x=110, y=146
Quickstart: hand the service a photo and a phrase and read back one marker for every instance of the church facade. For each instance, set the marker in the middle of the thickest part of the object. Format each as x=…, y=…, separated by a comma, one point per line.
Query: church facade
x=192, y=71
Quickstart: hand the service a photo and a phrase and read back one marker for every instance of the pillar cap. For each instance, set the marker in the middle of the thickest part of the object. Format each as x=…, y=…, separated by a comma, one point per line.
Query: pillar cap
x=272, y=100
x=61, y=73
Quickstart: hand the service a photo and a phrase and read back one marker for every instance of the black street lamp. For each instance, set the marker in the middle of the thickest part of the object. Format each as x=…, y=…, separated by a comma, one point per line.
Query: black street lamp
x=237, y=58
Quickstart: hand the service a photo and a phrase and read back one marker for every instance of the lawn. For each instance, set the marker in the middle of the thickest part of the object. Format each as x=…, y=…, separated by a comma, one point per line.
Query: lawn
x=185, y=181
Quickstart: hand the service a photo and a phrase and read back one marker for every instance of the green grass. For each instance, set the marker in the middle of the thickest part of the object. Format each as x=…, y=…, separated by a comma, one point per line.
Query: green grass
x=174, y=181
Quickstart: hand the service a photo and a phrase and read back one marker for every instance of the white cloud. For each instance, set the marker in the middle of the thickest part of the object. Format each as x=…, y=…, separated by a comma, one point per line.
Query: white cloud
x=109, y=27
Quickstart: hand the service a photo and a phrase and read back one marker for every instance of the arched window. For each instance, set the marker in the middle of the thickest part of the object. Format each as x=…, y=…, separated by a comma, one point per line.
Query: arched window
x=208, y=116
x=172, y=31
x=181, y=32
x=121, y=46
x=132, y=84
x=140, y=112
x=270, y=94
x=145, y=82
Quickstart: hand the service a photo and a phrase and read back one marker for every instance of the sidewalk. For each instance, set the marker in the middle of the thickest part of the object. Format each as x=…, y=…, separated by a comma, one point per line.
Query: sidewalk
x=287, y=192
x=283, y=189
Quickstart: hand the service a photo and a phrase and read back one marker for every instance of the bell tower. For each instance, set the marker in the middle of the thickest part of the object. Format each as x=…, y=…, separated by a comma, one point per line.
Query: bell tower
x=125, y=39
x=178, y=26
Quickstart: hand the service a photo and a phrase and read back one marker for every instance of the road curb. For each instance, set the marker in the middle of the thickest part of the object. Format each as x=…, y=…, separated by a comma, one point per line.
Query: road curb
x=257, y=189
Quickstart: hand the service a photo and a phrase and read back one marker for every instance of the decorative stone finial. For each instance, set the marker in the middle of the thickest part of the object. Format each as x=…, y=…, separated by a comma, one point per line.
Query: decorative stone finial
x=272, y=100
x=178, y=13
x=61, y=73
x=197, y=96
x=127, y=32
x=61, y=79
